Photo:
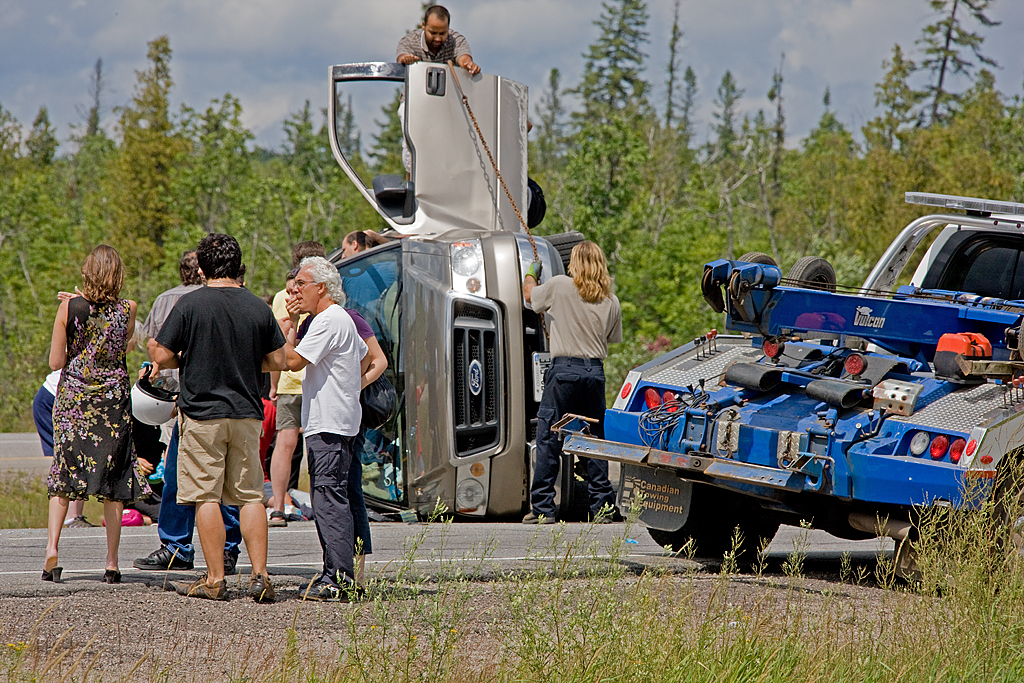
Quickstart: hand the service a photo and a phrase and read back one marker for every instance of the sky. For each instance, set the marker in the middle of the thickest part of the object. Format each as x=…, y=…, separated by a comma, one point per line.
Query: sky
x=274, y=55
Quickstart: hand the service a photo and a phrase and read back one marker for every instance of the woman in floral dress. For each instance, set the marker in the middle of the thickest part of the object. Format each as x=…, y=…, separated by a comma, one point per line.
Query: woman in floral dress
x=92, y=430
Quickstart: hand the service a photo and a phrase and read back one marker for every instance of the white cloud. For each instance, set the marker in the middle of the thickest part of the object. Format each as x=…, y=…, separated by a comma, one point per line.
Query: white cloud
x=273, y=55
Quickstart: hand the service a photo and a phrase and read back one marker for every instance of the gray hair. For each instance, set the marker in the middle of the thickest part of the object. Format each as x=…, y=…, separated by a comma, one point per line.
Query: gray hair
x=322, y=271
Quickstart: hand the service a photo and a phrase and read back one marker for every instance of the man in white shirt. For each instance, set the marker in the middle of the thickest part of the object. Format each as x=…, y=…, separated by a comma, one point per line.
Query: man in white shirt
x=335, y=359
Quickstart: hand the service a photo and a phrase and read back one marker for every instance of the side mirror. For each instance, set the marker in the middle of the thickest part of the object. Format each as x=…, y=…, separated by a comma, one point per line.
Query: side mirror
x=395, y=197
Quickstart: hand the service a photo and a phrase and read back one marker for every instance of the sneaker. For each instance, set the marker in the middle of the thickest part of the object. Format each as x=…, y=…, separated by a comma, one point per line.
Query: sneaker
x=162, y=560
x=538, y=519
x=260, y=588
x=277, y=518
x=229, y=563
x=200, y=589
x=320, y=591
x=80, y=522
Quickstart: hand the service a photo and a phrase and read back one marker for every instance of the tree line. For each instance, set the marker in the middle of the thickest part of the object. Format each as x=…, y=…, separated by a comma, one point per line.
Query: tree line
x=624, y=167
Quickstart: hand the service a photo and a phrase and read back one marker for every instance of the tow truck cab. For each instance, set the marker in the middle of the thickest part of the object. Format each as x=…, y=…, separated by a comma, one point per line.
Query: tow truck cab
x=445, y=301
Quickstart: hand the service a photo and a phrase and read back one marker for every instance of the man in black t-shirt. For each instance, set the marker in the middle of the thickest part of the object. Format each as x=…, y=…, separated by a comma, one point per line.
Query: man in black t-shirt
x=222, y=337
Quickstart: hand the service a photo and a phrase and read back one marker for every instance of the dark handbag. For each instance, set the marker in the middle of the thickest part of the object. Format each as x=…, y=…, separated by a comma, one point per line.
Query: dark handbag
x=378, y=401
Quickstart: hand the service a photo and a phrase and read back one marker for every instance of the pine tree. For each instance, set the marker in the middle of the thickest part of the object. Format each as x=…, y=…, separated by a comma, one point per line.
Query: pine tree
x=897, y=100
x=673, y=66
x=386, y=153
x=144, y=212
x=42, y=139
x=944, y=43
x=688, y=102
x=550, y=134
x=612, y=74
x=219, y=164
x=93, y=113
x=729, y=95
x=611, y=145
x=349, y=138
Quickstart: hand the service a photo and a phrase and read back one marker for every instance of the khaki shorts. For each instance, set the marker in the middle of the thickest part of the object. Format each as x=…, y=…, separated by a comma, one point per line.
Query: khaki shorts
x=219, y=461
x=289, y=411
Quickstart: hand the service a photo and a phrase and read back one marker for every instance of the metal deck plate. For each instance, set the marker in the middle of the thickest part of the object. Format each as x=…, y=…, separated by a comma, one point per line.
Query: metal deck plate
x=959, y=410
x=690, y=369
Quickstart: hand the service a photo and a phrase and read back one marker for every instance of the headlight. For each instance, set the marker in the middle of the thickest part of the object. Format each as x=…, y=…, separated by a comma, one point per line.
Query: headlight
x=466, y=258
x=469, y=495
x=468, y=268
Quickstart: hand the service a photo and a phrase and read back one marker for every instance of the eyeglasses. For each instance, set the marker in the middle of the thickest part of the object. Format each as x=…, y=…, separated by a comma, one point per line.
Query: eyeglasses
x=301, y=284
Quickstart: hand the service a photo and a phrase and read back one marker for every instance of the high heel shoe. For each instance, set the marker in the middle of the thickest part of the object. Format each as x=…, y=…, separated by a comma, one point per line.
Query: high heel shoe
x=52, y=574
x=112, y=576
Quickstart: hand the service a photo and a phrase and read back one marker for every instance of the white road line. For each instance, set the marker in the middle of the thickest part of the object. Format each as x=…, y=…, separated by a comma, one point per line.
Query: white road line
x=199, y=567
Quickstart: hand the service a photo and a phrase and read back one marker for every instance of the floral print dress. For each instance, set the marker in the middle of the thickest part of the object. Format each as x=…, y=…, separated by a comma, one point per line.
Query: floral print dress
x=92, y=424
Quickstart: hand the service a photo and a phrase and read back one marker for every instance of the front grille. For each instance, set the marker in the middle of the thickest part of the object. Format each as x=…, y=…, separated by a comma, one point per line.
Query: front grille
x=476, y=377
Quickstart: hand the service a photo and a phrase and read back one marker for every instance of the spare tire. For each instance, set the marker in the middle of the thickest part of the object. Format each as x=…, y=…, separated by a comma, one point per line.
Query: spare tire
x=563, y=242
x=813, y=272
x=758, y=257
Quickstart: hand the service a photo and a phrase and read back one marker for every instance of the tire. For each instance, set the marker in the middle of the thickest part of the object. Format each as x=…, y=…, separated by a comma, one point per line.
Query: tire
x=813, y=272
x=758, y=257
x=563, y=242
x=714, y=514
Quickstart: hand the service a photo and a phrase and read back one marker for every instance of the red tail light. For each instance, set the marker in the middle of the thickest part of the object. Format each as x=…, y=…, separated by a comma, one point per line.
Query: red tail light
x=940, y=444
x=855, y=364
x=772, y=348
x=956, y=450
x=652, y=398
x=668, y=397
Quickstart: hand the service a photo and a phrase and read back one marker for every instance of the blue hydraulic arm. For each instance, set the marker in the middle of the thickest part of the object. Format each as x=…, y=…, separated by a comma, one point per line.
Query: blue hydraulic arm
x=756, y=302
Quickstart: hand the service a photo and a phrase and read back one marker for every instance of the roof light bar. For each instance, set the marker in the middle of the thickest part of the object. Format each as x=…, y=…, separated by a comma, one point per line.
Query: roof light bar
x=971, y=204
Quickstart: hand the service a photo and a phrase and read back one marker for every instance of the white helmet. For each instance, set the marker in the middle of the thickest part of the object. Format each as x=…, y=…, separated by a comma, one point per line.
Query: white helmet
x=152, y=405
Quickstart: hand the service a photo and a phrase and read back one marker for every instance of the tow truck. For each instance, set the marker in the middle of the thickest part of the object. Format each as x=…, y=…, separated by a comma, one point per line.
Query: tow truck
x=849, y=410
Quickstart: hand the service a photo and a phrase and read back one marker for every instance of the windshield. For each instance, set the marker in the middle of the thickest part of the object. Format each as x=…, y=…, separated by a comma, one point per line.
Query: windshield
x=372, y=284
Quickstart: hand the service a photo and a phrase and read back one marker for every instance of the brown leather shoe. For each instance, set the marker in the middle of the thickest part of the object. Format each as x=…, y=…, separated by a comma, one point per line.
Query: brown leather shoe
x=200, y=589
x=260, y=588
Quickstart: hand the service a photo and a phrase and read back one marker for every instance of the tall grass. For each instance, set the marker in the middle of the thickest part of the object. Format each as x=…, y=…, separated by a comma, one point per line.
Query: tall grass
x=25, y=504
x=580, y=611
x=24, y=501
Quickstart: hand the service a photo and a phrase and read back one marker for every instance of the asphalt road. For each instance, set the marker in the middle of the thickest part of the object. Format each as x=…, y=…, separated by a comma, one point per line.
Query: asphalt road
x=480, y=550
x=427, y=549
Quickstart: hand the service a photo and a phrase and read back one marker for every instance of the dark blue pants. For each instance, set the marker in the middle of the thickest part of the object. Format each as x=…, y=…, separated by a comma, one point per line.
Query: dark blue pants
x=329, y=457
x=177, y=522
x=571, y=385
x=42, y=413
x=360, y=520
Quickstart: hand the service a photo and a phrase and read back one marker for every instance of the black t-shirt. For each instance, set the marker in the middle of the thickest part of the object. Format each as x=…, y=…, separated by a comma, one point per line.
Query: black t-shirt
x=221, y=335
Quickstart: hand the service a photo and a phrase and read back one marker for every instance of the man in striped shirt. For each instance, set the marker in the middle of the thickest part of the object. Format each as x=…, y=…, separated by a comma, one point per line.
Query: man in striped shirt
x=434, y=42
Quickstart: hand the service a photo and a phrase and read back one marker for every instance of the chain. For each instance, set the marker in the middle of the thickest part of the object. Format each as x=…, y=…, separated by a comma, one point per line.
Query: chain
x=515, y=207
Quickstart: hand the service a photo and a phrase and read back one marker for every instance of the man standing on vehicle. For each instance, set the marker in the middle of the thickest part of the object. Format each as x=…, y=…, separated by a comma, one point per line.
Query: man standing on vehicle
x=335, y=359
x=434, y=42
x=223, y=338
x=585, y=318
x=176, y=523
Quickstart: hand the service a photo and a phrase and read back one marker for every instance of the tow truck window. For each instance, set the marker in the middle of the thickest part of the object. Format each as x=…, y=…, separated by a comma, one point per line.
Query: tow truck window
x=980, y=263
x=372, y=284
